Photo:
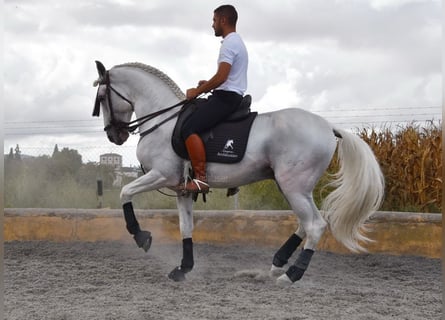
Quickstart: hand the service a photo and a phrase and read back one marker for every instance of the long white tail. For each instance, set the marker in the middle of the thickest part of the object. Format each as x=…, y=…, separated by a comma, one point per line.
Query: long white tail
x=359, y=191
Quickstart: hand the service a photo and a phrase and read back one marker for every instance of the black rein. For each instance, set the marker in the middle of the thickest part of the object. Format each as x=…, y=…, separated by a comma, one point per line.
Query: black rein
x=133, y=125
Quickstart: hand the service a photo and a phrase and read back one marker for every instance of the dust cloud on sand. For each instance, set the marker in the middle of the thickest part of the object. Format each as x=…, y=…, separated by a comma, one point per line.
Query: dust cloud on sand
x=112, y=280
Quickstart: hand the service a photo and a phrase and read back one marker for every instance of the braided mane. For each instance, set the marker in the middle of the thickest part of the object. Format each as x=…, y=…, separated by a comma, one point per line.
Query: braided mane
x=158, y=73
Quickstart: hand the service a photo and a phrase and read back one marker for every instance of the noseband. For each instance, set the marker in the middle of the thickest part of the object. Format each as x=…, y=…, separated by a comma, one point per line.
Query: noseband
x=132, y=125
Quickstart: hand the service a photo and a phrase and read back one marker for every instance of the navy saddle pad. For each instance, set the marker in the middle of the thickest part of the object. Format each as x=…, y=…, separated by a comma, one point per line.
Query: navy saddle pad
x=225, y=143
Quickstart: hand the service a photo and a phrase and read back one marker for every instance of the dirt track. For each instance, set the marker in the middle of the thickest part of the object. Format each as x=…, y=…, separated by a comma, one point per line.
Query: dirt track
x=111, y=280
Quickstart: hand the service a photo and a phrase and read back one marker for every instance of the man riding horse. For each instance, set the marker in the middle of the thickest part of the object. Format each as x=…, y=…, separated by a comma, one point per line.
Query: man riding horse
x=228, y=84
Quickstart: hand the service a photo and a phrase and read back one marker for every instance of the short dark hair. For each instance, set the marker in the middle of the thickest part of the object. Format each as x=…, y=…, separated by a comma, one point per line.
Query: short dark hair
x=229, y=12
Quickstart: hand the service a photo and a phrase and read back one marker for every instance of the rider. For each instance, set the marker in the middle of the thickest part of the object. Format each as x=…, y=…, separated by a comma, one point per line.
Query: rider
x=228, y=85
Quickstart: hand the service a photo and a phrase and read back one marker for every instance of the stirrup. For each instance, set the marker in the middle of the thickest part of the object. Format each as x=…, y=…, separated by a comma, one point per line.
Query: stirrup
x=197, y=182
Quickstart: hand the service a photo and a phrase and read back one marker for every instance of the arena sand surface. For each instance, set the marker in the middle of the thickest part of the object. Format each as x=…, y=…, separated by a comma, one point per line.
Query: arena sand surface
x=112, y=280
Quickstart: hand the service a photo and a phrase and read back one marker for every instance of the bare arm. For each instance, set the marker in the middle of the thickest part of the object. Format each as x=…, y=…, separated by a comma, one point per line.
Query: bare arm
x=205, y=86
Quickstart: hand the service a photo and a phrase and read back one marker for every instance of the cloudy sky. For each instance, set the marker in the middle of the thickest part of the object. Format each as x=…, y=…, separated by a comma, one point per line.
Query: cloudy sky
x=356, y=62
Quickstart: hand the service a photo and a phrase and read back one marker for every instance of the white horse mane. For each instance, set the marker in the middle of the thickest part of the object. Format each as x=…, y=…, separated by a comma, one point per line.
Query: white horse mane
x=158, y=73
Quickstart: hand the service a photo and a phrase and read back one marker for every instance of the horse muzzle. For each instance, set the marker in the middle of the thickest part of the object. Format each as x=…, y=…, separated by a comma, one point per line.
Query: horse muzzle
x=117, y=136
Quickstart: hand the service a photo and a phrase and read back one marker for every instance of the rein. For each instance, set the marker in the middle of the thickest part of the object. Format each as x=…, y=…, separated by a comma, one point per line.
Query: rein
x=132, y=125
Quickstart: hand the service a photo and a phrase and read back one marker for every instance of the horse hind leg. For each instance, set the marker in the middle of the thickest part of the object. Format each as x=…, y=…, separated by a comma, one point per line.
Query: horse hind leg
x=314, y=226
x=283, y=254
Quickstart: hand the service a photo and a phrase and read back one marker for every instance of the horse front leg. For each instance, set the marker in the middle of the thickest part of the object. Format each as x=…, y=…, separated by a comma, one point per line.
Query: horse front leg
x=150, y=181
x=185, y=208
x=143, y=238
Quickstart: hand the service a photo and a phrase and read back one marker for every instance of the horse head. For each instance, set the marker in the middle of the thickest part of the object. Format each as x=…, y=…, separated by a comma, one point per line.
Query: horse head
x=117, y=109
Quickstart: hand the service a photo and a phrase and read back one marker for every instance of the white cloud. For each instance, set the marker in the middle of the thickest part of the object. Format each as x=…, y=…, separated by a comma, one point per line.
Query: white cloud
x=383, y=4
x=280, y=95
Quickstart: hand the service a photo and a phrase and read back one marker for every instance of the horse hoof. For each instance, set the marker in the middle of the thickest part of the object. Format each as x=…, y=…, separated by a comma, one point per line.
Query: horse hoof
x=143, y=240
x=177, y=275
x=276, y=271
x=284, y=281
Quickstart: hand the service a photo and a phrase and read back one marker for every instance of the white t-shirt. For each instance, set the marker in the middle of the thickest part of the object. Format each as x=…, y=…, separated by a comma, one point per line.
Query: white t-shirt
x=234, y=52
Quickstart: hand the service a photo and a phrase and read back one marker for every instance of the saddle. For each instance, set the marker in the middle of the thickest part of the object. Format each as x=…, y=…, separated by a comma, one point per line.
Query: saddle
x=225, y=143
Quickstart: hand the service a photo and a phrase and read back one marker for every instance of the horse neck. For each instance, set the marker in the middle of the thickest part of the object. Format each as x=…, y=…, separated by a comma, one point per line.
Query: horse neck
x=148, y=92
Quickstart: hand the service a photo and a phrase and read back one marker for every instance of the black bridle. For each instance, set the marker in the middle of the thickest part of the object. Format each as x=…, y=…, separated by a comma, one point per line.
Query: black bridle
x=132, y=125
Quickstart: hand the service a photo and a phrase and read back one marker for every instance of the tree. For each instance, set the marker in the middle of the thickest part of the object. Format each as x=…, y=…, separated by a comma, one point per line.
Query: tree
x=65, y=162
x=17, y=153
x=56, y=150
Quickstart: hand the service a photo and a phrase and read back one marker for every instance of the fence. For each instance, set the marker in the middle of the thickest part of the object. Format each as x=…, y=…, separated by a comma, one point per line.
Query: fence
x=392, y=232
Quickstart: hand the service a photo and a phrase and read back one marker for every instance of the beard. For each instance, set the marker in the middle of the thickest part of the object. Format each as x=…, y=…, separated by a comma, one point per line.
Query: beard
x=218, y=32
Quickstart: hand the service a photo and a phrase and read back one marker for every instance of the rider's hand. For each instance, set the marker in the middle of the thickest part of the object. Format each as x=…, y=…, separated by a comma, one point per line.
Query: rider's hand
x=192, y=93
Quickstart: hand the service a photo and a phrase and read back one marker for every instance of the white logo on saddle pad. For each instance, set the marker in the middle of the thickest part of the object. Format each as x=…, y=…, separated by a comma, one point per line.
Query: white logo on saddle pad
x=229, y=145
x=228, y=150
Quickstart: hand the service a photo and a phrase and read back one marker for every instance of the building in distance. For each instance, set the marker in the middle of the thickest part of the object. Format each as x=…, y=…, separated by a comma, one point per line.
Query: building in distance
x=111, y=159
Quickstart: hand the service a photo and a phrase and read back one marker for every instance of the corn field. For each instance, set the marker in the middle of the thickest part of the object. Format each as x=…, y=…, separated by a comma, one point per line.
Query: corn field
x=411, y=161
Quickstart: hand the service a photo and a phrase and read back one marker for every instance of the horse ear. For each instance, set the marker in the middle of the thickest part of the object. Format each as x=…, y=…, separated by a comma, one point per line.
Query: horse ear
x=100, y=69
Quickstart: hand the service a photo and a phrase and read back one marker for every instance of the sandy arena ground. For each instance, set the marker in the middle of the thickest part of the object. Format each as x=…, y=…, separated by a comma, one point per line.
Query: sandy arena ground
x=111, y=280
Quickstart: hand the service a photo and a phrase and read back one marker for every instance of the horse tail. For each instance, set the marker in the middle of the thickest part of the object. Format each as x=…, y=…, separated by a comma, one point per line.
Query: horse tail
x=359, y=191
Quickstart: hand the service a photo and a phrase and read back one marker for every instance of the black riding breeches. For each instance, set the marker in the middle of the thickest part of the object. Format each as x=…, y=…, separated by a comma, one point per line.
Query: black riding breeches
x=219, y=106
